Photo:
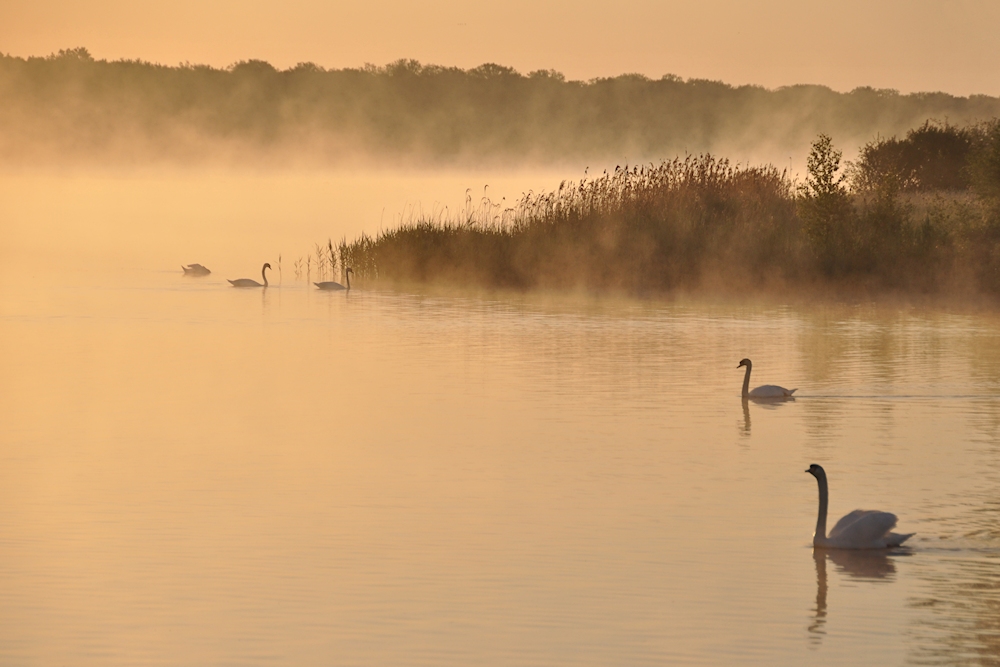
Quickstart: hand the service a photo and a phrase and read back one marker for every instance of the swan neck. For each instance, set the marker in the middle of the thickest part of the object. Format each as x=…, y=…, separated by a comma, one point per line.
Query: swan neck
x=746, y=381
x=263, y=274
x=348, y=280
x=824, y=500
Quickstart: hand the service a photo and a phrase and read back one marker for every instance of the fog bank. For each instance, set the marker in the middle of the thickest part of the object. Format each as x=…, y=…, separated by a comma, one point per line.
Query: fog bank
x=71, y=108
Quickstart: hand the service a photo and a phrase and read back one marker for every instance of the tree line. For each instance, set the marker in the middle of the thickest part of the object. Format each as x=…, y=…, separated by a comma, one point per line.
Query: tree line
x=69, y=106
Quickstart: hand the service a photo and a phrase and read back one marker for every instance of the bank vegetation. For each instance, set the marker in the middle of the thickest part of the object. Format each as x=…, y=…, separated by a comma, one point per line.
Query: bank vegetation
x=917, y=214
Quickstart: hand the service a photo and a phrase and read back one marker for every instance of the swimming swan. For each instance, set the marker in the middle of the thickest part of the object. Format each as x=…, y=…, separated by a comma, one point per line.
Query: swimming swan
x=330, y=285
x=195, y=270
x=861, y=529
x=246, y=282
x=765, y=390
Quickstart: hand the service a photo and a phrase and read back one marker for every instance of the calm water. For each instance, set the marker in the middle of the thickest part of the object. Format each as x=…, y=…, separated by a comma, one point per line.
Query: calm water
x=193, y=474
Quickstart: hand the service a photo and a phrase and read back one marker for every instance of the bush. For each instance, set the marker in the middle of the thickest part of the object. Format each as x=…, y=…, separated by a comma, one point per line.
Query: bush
x=931, y=157
x=984, y=161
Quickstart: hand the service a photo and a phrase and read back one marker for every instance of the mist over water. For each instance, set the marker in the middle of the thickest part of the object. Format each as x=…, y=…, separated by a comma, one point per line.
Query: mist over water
x=196, y=474
x=231, y=220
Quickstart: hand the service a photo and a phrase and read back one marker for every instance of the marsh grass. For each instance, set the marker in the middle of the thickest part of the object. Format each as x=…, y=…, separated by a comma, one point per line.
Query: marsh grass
x=320, y=262
x=330, y=258
x=681, y=223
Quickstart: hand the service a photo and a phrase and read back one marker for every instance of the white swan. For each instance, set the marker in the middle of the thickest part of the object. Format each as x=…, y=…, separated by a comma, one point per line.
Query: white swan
x=330, y=285
x=246, y=282
x=195, y=270
x=861, y=529
x=765, y=390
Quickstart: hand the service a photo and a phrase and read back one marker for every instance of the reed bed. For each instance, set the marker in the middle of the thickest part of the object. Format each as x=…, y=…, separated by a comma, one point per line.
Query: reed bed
x=885, y=222
x=676, y=224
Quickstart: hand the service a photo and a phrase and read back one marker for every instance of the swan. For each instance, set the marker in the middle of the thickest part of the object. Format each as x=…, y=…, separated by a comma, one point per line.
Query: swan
x=861, y=529
x=330, y=285
x=246, y=282
x=765, y=390
x=195, y=270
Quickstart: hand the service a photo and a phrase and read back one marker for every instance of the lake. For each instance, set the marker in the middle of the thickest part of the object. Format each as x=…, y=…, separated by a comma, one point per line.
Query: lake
x=196, y=474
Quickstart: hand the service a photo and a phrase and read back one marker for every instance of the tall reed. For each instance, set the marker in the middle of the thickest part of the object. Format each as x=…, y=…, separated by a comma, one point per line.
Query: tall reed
x=679, y=223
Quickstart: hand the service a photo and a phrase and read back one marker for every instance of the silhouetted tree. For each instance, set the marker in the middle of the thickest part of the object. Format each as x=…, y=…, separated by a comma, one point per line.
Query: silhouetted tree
x=825, y=208
x=931, y=157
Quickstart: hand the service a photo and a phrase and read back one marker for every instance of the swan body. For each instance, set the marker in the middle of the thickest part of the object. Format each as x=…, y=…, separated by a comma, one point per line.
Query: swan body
x=195, y=270
x=247, y=282
x=861, y=529
x=330, y=285
x=765, y=390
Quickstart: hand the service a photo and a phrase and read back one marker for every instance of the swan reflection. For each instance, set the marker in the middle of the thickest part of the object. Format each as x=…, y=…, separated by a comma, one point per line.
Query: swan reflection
x=870, y=564
x=865, y=565
x=771, y=403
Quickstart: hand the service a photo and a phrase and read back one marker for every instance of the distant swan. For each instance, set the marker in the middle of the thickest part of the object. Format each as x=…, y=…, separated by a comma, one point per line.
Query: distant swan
x=330, y=285
x=246, y=282
x=861, y=529
x=763, y=391
x=195, y=270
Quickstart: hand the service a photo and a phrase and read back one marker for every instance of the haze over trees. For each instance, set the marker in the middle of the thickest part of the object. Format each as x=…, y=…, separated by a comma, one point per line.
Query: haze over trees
x=70, y=107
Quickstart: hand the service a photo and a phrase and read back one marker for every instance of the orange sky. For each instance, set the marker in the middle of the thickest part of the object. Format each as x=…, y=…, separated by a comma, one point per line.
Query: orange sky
x=909, y=45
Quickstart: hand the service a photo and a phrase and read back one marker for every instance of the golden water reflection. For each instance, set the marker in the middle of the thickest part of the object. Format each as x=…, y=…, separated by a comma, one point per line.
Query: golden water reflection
x=874, y=566
x=194, y=474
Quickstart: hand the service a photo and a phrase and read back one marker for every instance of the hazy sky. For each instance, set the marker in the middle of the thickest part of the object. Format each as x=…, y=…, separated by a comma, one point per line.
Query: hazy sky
x=910, y=45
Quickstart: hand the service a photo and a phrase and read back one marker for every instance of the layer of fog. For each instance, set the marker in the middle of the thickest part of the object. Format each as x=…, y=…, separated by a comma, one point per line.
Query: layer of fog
x=69, y=109
x=232, y=220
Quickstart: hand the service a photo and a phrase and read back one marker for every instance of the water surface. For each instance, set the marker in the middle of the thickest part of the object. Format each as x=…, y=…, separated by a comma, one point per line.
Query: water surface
x=194, y=474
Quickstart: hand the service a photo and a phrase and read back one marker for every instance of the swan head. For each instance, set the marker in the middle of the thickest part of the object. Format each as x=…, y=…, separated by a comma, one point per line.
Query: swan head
x=349, y=270
x=266, y=266
x=743, y=362
x=816, y=471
